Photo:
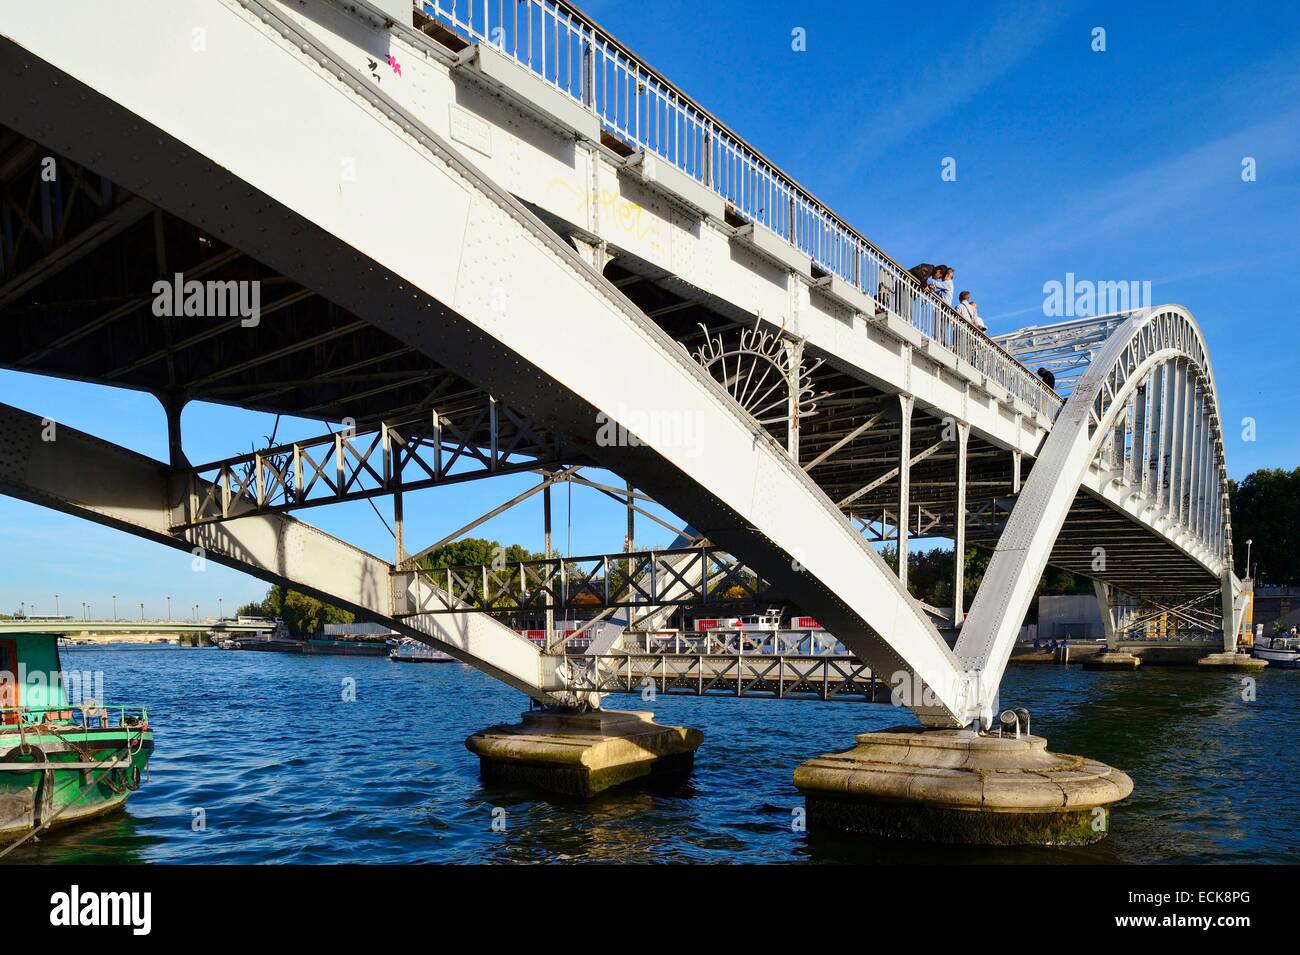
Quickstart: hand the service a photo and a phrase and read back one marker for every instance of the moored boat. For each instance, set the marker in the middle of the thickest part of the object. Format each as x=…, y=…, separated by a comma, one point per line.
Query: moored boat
x=352, y=639
x=350, y=647
x=413, y=651
x=274, y=639
x=61, y=762
x=1279, y=651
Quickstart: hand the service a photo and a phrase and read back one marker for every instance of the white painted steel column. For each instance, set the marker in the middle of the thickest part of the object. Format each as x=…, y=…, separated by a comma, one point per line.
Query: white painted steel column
x=1167, y=387
x=1195, y=427
x=794, y=357
x=1182, y=379
x=905, y=403
x=1155, y=442
x=1104, y=592
x=1229, y=613
x=1140, y=443
x=959, y=534
x=548, y=553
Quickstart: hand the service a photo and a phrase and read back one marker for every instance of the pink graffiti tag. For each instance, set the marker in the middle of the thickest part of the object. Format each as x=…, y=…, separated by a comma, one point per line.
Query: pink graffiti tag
x=397, y=67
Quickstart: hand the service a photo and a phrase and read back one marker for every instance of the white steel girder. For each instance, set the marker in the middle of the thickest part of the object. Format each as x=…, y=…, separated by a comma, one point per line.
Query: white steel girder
x=59, y=467
x=420, y=244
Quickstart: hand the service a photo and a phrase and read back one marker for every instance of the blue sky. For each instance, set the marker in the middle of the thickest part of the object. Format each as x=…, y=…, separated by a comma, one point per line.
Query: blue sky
x=1116, y=165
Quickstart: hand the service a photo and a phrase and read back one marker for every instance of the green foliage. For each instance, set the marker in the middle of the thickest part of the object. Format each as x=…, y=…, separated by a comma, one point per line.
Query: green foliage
x=303, y=615
x=1266, y=510
x=477, y=551
x=929, y=575
x=472, y=551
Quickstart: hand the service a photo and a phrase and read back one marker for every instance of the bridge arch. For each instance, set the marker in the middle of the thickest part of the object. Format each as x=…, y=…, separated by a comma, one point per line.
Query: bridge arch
x=1158, y=355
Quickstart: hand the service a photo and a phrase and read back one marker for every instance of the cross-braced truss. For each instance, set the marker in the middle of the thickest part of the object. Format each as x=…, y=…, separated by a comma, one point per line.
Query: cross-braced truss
x=1065, y=349
x=777, y=677
x=1199, y=615
x=476, y=440
x=53, y=212
x=696, y=576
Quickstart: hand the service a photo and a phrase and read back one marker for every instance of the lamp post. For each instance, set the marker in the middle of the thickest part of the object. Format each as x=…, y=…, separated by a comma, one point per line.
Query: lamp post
x=56, y=605
x=221, y=614
x=115, y=608
x=1248, y=543
x=169, y=609
x=142, y=611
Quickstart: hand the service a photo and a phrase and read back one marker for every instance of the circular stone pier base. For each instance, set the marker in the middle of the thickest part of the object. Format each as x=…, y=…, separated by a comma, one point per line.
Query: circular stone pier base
x=581, y=754
x=1113, y=660
x=956, y=786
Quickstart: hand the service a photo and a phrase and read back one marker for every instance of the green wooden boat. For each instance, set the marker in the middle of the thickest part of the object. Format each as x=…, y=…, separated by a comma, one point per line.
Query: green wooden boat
x=61, y=762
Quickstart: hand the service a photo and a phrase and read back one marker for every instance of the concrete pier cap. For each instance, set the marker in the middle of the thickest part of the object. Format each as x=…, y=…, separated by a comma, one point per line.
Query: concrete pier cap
x=1231, y=660
x=583, y=753
x=1113, y=660
x=960, y=786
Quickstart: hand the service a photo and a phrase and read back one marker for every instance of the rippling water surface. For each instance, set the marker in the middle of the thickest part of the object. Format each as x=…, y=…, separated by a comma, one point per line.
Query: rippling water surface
x=286, y=771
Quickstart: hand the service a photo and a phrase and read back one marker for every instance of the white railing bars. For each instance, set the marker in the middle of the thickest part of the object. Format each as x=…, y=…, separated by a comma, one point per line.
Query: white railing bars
x=641, y=107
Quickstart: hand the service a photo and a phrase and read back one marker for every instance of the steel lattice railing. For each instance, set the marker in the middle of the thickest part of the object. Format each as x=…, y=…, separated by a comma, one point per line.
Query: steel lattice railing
x=474, y=440
x=779, y=677
x=722, y=642
x=643, y=109
x=688, y=576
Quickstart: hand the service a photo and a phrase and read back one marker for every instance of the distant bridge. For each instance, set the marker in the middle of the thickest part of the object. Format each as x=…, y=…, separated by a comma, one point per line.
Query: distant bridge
x=72, y=627
x=496, y=244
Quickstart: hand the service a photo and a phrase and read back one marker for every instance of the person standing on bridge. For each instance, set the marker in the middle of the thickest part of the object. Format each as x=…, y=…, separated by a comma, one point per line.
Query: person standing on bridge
x=884, y=297
x=923, y=273
x=943, y=284
x=969, y=310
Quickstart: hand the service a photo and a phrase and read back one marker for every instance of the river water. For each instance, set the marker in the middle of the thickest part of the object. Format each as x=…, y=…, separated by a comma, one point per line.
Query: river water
x=263, y=750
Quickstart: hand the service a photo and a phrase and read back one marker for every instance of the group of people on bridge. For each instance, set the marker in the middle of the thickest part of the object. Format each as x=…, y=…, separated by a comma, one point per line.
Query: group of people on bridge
x=937, y=281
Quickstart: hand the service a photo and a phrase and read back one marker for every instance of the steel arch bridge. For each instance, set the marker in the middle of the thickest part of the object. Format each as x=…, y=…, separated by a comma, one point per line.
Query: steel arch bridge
x=490, y=252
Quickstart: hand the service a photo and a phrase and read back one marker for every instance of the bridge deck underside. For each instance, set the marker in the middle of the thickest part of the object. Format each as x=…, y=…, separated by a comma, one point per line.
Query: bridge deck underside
x=1130, y=556
x=81, y=256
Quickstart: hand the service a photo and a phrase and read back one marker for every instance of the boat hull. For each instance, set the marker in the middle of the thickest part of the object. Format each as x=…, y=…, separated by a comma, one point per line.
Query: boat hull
x=346, y=648
x=1281, y=659
x=63, y=796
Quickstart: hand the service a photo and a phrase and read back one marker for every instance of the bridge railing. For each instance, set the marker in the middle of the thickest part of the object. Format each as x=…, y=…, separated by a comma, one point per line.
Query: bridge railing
x=646, y=111
x=697, y=576
x=443, y=446
x=772, y=677
x=84, y=716
x=808, y=643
